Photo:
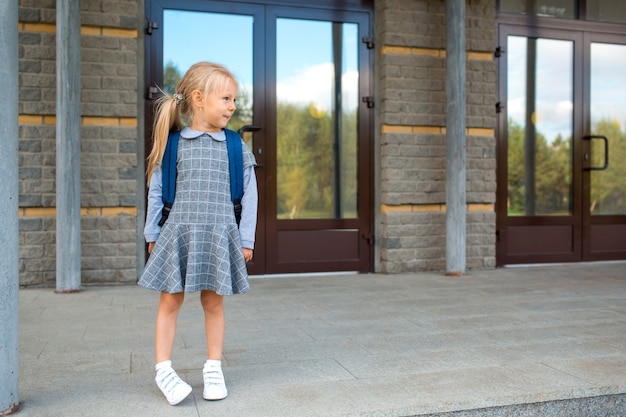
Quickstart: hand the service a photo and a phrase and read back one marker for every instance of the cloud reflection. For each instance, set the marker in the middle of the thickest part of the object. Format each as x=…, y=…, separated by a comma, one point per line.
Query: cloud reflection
x=315, y=85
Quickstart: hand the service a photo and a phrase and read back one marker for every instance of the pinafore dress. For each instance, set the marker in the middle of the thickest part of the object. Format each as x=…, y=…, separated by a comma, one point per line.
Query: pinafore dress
x=199, y=247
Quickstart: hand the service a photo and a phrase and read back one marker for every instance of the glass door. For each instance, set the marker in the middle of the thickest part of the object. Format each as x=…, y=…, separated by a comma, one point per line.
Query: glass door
x=539, y=219
x=301, y=73
x=562, y=123
x=604, y=150
x=321, y=207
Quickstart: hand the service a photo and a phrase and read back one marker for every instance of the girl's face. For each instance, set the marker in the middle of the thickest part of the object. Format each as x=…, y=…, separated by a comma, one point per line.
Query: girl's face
x=212, y=113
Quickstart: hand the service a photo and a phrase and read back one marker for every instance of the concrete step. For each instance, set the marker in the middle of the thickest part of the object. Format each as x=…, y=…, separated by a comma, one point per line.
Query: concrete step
x=600, y=406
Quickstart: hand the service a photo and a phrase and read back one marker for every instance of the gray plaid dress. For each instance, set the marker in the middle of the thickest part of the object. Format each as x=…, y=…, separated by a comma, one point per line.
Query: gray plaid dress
x=199, y=247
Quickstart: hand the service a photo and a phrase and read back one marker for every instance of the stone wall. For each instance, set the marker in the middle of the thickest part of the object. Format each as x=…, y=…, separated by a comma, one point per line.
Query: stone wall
x=411, y=120
x=110, y=42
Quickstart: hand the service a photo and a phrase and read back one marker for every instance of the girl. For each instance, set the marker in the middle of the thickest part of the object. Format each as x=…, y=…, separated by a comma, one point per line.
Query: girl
x=199, y=248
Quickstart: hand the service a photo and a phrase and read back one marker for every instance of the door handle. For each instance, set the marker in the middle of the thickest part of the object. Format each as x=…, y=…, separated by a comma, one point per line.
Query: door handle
x=251, y=128
x=248, y=128
x=586, y=155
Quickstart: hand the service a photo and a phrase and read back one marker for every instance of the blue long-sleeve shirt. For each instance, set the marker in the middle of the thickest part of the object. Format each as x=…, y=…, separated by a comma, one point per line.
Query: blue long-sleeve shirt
x=249, y=204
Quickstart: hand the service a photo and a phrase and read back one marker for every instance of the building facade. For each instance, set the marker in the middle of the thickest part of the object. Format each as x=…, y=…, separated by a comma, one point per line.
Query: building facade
x=352, y=155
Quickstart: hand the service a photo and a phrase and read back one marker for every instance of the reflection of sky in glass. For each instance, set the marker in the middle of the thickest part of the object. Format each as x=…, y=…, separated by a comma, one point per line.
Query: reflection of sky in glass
x=553, y=85
x=608, y=83
x=226, y=39
x=305, y=68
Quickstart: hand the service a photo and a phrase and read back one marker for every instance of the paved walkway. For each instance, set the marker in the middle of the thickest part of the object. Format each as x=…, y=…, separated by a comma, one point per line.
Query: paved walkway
x=338, y=345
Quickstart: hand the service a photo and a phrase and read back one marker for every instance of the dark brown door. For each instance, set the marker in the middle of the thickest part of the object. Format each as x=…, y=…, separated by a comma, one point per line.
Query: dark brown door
x=561, y=142
x=302, y=73
x=604, y=148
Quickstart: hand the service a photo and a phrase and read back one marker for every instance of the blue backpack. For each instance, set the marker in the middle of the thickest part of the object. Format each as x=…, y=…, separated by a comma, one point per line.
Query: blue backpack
x=235, y=166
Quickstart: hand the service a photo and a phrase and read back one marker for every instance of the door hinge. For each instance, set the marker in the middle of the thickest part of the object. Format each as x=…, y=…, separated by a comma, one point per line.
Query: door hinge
x=151, y=93
x=369, y=238
x=369, y=41
x=498, y=52
x=151, y=26
x=369, y=100
x=499, y=107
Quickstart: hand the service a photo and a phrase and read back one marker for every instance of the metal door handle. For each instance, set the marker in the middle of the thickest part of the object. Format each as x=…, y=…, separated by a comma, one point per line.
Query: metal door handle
x=250, y=128
x=586, y=155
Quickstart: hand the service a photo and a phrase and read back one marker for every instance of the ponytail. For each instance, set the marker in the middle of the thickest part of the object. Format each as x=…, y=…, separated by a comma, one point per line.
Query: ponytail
x=166, y=119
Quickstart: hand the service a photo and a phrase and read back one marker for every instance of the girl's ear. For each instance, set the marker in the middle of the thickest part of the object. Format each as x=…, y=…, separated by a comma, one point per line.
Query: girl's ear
x=197, y=98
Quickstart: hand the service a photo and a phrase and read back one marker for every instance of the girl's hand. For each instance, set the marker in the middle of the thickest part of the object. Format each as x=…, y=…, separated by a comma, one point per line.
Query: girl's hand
x=150, y=246
x=247, y=254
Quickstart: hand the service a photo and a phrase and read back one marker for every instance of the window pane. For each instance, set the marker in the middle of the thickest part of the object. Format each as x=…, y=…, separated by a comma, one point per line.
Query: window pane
x=552, y=8
x=316, y=89
x=607, y=10
x=540, y=126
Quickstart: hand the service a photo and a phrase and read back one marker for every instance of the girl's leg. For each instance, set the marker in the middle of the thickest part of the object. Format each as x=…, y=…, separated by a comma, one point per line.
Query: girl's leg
x=174, y=388
x=214, y=323
x=167, y=314
x=214, y=385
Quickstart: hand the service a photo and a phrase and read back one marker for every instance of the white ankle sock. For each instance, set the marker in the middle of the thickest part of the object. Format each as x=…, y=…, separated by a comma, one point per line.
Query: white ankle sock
x=212, y=362
x=163, y=365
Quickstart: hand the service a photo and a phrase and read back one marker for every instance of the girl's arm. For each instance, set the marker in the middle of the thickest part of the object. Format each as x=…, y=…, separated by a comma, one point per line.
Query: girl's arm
x=249, y=206
x=152, y=229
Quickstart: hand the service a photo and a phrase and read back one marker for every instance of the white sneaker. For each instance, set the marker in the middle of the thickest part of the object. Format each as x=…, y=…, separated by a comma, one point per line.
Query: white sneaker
x=168, y=381
x=214, y=385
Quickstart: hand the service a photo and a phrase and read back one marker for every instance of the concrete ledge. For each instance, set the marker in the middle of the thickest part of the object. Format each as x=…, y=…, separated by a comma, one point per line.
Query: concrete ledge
x=602, y=406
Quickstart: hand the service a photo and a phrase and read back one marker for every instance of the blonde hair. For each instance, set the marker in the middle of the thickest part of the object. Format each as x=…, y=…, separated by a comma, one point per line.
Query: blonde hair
x=173, y=112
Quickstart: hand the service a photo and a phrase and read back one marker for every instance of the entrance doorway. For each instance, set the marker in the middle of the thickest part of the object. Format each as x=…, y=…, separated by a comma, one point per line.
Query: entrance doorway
x=304, y=77
x=561, y=142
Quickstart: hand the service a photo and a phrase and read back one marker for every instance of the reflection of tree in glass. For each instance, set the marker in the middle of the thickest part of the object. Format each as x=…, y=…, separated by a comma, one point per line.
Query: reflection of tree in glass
x=306, y=164
x=553, y=167
x=608, y=188
x=171, y=77
x=553, y=177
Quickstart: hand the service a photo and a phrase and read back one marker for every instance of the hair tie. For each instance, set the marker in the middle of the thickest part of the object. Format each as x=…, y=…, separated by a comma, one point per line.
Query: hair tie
x=178, y=98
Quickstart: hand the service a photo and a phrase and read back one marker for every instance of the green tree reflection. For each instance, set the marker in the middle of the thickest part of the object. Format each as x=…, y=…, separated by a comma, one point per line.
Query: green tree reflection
x=553, y=179
x=306, y=174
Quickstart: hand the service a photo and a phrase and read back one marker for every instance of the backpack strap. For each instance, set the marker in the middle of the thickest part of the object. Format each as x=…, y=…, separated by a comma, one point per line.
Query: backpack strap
x=235, y=166
x=168, y=175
